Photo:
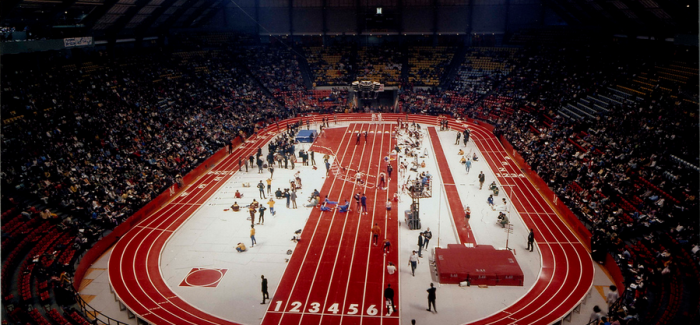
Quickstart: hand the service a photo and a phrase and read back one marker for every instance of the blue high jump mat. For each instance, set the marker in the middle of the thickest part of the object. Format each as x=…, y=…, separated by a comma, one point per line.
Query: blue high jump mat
x=306, y=135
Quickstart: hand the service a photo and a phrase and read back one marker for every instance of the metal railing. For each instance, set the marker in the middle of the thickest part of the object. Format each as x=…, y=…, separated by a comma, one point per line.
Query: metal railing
x=94, y=316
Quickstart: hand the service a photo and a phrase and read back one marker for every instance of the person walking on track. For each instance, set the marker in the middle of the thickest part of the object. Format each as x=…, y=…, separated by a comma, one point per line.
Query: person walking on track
x=311, y=155
x=413, y=262
x=389, y=169
x=363, y=200
x=389, y=296
x=482, y=178
x=459, y=135
x=376, y=232
x=386, y=247
x=531, y=240
x=357, y=202
x=431, y=298
x=264, y=289
x=382, y=181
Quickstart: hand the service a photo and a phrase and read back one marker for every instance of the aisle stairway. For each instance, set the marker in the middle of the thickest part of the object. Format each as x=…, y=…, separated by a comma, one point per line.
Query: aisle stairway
x=304, y=67
x=453, y=68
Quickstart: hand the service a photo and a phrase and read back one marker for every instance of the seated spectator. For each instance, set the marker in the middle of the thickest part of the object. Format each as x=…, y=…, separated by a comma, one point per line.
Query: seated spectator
x=235, y=207
x=297, y=236
x=312, y=203
x=238, y=195
x=240, y=247
x=503, y=219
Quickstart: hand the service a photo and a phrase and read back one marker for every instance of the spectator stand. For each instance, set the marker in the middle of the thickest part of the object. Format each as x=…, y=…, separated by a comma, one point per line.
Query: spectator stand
x=427, y=64
x=330, y=65
x=382, y=64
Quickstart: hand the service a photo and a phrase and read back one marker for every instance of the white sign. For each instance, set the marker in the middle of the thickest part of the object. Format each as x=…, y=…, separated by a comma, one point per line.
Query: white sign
x=77, y=41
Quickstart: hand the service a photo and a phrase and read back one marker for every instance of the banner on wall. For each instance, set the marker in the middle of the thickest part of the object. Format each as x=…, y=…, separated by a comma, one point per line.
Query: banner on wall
x=77, y=41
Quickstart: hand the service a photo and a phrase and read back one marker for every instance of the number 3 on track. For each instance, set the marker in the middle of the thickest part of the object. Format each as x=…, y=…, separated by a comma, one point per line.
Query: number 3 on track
x=314, y=307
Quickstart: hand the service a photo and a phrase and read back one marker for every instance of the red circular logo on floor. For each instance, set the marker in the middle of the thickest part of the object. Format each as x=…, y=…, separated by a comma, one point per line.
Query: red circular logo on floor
x=203, y=277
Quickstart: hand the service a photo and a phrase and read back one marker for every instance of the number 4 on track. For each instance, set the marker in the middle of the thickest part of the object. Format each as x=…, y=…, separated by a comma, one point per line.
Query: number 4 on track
x=334, y=308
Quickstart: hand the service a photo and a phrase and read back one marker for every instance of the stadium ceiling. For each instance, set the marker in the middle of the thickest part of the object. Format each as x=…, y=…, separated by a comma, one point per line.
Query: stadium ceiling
x=128, y=18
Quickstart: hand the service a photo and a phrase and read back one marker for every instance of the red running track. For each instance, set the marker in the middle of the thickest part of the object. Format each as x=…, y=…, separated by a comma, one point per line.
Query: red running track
x=337, y=276
x=453, y=201
x=567, y=269
x=134, y=272
x=339, y=264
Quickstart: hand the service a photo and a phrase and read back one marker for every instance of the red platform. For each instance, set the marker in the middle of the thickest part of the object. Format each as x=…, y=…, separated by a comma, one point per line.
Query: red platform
x=481, y=264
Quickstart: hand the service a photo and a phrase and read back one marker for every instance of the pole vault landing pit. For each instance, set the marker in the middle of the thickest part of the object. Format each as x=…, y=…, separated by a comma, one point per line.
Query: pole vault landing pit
x=479, y=265
x=203, y=277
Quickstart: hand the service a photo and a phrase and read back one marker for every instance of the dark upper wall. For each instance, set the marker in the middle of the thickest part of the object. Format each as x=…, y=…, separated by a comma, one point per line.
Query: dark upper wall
x=399, y=16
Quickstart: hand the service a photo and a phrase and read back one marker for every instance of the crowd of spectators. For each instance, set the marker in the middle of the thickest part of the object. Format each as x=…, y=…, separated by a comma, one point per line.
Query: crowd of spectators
x=278, y=69
x=434, y=102
x=275, y=66
x=103, y=143
x=427, y=64
x=330, y=65
x=379, y=63
x=602, y=167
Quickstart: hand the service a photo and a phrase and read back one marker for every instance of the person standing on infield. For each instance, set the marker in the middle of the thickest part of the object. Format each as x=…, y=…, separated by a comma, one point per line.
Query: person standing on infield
x=431, y=298
x=252, y=236
x=264, y=289
x=420, y=244
x=427, y=236
x=531, y=240
x=413, y=262
x=261, y=187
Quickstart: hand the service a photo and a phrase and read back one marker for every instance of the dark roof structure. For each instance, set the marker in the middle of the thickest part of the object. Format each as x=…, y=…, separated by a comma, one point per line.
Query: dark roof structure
x=105, y=19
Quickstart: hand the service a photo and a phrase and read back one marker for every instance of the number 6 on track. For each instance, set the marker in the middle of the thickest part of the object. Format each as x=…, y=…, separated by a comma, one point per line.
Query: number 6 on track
x=352, y=309
x=372, y=310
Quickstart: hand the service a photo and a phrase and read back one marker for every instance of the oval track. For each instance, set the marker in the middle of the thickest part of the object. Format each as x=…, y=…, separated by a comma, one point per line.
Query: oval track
x=565, y=279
